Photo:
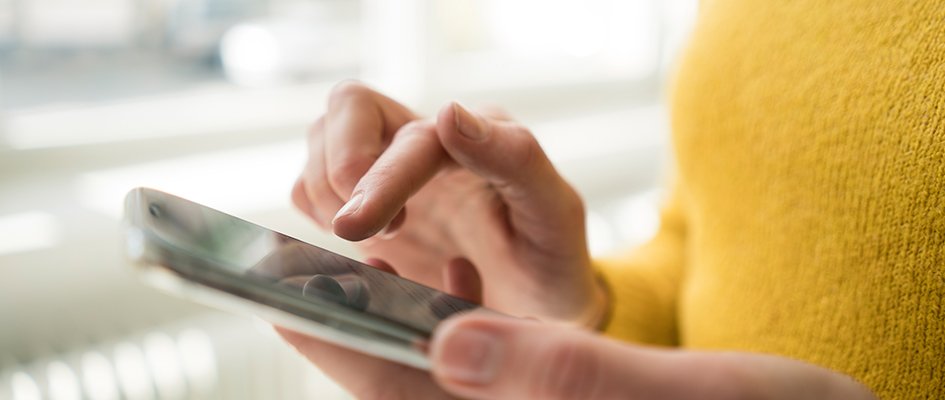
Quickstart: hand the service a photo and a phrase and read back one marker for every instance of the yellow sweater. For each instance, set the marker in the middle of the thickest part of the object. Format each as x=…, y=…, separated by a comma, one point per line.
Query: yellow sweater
x=807, y=218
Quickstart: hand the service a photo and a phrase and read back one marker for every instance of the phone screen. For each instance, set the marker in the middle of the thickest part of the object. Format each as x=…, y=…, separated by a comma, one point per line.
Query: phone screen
x=197, y=241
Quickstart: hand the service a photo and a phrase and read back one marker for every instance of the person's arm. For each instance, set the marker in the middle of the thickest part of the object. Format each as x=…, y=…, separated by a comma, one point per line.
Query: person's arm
x=505, y=228
x=643, y=283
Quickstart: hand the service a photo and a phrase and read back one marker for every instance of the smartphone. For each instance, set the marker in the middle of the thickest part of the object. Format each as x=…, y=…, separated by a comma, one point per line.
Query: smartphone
x=223, y=261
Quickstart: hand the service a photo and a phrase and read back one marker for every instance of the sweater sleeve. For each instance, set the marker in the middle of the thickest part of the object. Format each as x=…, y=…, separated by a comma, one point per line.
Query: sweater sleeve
x=644, y=282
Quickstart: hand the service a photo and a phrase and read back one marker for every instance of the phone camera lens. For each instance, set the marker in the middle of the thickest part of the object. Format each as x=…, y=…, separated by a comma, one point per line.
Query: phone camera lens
x=154, y=210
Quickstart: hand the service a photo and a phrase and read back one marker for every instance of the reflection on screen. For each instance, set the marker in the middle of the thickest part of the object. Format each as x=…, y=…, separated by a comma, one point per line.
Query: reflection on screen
x=271, y=258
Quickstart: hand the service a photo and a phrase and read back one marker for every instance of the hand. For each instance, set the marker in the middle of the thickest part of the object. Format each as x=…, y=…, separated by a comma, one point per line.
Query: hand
x=487, y=357
x=464, y=189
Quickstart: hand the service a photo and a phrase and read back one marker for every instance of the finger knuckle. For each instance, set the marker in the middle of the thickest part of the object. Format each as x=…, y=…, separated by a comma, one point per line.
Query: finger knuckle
x=418, y=130
x=574, y=206
x=347, y=171
x=319, y=191
x=526, y=146
x=348, y=89
x=319, y=197
x=316, y=127
x=419, y=126
x=566, y=371
x=382, y=177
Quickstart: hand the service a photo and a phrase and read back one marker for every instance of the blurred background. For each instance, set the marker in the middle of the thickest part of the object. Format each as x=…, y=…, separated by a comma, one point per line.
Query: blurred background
x=210, y=99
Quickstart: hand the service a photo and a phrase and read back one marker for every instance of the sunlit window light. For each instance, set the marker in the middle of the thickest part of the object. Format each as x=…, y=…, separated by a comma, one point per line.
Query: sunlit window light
x=72, y=23
x=600, y=234
x=251, y=54
x=63, y=382
x=28, y=231
x=98, y=377
x=289, y=49
x=562, y=145
x=520, y=28
x=395, y=53
x=203, y=110
x=514, y=46
x=637, y=217
x=236, y=181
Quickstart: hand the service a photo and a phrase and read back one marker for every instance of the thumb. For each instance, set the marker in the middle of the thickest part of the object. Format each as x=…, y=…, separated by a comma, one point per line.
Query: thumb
x=508, y=156
x=482, y=356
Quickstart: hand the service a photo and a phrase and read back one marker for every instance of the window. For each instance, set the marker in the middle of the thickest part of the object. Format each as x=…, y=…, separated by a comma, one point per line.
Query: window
x=209, y=99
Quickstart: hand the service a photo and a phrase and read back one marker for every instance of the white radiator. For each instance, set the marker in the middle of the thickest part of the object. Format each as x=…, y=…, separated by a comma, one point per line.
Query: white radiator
x=213, y=356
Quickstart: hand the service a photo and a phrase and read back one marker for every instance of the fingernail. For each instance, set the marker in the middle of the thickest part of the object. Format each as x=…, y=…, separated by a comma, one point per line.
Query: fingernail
x=471, y=356
x=467, y=123
x=351, y=207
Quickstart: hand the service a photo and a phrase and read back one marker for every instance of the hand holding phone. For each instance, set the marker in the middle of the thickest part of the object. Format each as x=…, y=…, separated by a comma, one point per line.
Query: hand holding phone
x=206, y=255
x=422, y=193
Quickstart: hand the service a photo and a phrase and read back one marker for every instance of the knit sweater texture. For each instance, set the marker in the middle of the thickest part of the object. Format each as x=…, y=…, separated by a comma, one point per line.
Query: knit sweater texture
x=807, y=214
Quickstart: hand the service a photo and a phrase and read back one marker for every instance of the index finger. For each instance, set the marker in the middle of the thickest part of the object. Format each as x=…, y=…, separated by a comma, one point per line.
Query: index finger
x=413, y=158
x=358, y=126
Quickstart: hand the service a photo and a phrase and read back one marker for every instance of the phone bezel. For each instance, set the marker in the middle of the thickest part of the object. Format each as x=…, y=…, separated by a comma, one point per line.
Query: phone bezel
x=215, y=287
